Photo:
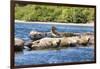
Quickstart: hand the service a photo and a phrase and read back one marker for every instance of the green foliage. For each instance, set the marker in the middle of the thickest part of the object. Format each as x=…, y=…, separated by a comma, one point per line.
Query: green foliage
x=31, y=12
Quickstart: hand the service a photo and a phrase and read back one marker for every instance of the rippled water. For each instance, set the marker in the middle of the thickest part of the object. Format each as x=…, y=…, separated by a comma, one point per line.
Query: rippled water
x=22, y=30
x=74, y=54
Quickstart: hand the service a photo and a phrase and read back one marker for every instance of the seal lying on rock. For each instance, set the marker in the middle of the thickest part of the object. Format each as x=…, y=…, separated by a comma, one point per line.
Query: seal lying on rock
x=19, y=44
x=55, y=33
x=60, y=42
x=35, y=35
x=46, y=43
x=69, y=41
x=92, y=39
x=84, y=40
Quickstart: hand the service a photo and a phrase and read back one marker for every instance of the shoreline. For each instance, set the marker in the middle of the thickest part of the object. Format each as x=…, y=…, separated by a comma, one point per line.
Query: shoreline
x=54, y=23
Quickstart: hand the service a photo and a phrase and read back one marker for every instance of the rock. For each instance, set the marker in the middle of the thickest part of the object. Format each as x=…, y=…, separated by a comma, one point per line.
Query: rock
x=45, y=43
x=19, y=44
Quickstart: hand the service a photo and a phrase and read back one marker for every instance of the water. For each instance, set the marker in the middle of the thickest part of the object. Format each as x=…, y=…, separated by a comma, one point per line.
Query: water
x=74, y=54
x=22, y=30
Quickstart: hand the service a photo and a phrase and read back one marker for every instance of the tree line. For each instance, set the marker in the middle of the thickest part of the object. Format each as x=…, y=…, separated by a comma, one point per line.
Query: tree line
x=32, y=12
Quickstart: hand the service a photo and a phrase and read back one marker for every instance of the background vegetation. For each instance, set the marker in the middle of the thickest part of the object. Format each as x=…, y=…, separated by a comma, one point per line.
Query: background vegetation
x=66, y=14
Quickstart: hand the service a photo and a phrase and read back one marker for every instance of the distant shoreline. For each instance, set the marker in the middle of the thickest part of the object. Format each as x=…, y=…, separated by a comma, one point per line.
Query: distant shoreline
x=55, y=23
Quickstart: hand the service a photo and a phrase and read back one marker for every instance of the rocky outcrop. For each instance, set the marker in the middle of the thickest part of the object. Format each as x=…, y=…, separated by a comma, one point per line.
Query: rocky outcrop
x=19, y=44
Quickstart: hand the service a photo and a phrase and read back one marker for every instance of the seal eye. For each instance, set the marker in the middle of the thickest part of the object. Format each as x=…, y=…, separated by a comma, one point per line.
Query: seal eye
x=38, y=41
x=39, y=34
x=34, y=35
